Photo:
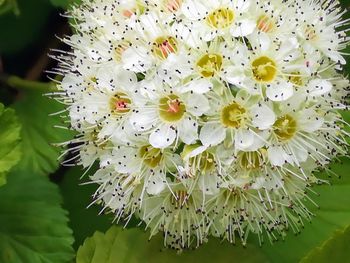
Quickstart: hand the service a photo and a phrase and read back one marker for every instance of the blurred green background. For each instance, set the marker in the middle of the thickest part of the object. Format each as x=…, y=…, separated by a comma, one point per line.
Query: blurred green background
x=43, y=215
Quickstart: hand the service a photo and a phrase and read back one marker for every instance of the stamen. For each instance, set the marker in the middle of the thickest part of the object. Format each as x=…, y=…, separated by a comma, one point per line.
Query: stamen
x=264, y=69
x=265, y=24
x=119, y=103
x=209, y=64
x=296, y=78
x=128, y=13
x=233, y=115
x=221, y=18
x=151, y=156
x=203, y=162
x=173, y=5
x=164, y=46
x=310, y=32
x=252, y=160
x=171, y=109
x=180, y=199
x=285, y=127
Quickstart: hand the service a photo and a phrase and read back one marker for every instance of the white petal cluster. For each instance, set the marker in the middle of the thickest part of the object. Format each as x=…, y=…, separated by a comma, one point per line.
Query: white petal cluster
x=206, y=117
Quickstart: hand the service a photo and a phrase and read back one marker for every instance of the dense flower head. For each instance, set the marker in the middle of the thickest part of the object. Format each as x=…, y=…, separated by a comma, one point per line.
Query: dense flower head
x=206, y=117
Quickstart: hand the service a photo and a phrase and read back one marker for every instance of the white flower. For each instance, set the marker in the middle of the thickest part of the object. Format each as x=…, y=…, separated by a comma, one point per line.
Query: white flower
x=240, y=120
x=108, y=100
x=219, y=18
x=299, y=132
x=180, y=215
x=232, y=216
x=205, y=117
x=272, y=18
x=145, y=162
x=267, y=67
x=155, y=42
x=169, y=115
x=200, y=69
x=321, y=32
x=119, y=193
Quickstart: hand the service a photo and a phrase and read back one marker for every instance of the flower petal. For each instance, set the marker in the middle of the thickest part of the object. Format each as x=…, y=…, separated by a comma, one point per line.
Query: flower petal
x=197, y=104
x=309, y=121
x=143, y=120
x=124, y=160
x=247, y=140
x=243, y=139
x=199, y=86
x=280, y=90
x=136, y=59
x=262, y=116
x=156, y=183
x=193, y=10
x=234, y=75
x=212, y=134
x=243, y=28
x=277, y=156
x=260, y=41
x=318, y=87
x=188, y=130
x=242, y=5
x=208, y=183
x=162, y=137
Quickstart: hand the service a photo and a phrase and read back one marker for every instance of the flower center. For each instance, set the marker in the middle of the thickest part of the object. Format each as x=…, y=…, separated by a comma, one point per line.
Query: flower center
x=233, y=115
x=310, y=32
x=203, y=162
x=285, y=127
x=90, y=83
x=173, y=5
x=264, y=69
x=295, y=78
x=265, y=24
x=98, y=142
x=164, y=46
x=139, y=8
x=171, y=109
x=180, y=199
x=151, y=156
x=221, y=18
x=209, y=64
x=128, y=13
x=206, y=162
x=251, y=160
x=119, y=103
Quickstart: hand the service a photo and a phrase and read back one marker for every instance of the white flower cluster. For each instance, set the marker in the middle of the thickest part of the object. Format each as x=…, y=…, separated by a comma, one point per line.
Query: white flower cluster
x=207, y=117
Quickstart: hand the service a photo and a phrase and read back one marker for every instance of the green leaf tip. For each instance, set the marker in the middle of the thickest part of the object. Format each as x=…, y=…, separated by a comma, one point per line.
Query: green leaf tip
x=10, y=151
x=33, y=226
x=39, y=133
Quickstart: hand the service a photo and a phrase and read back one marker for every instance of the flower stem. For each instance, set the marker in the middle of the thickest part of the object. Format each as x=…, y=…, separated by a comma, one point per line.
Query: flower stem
x=23, y=84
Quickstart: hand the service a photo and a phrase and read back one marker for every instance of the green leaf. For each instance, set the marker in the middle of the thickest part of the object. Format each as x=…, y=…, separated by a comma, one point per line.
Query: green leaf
x=39, y=133
x=337, y=247
x=10, y=151
x=33, y=226
x=64, y=3
x=9, y=5
x=132, y=245
x=76, y=199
